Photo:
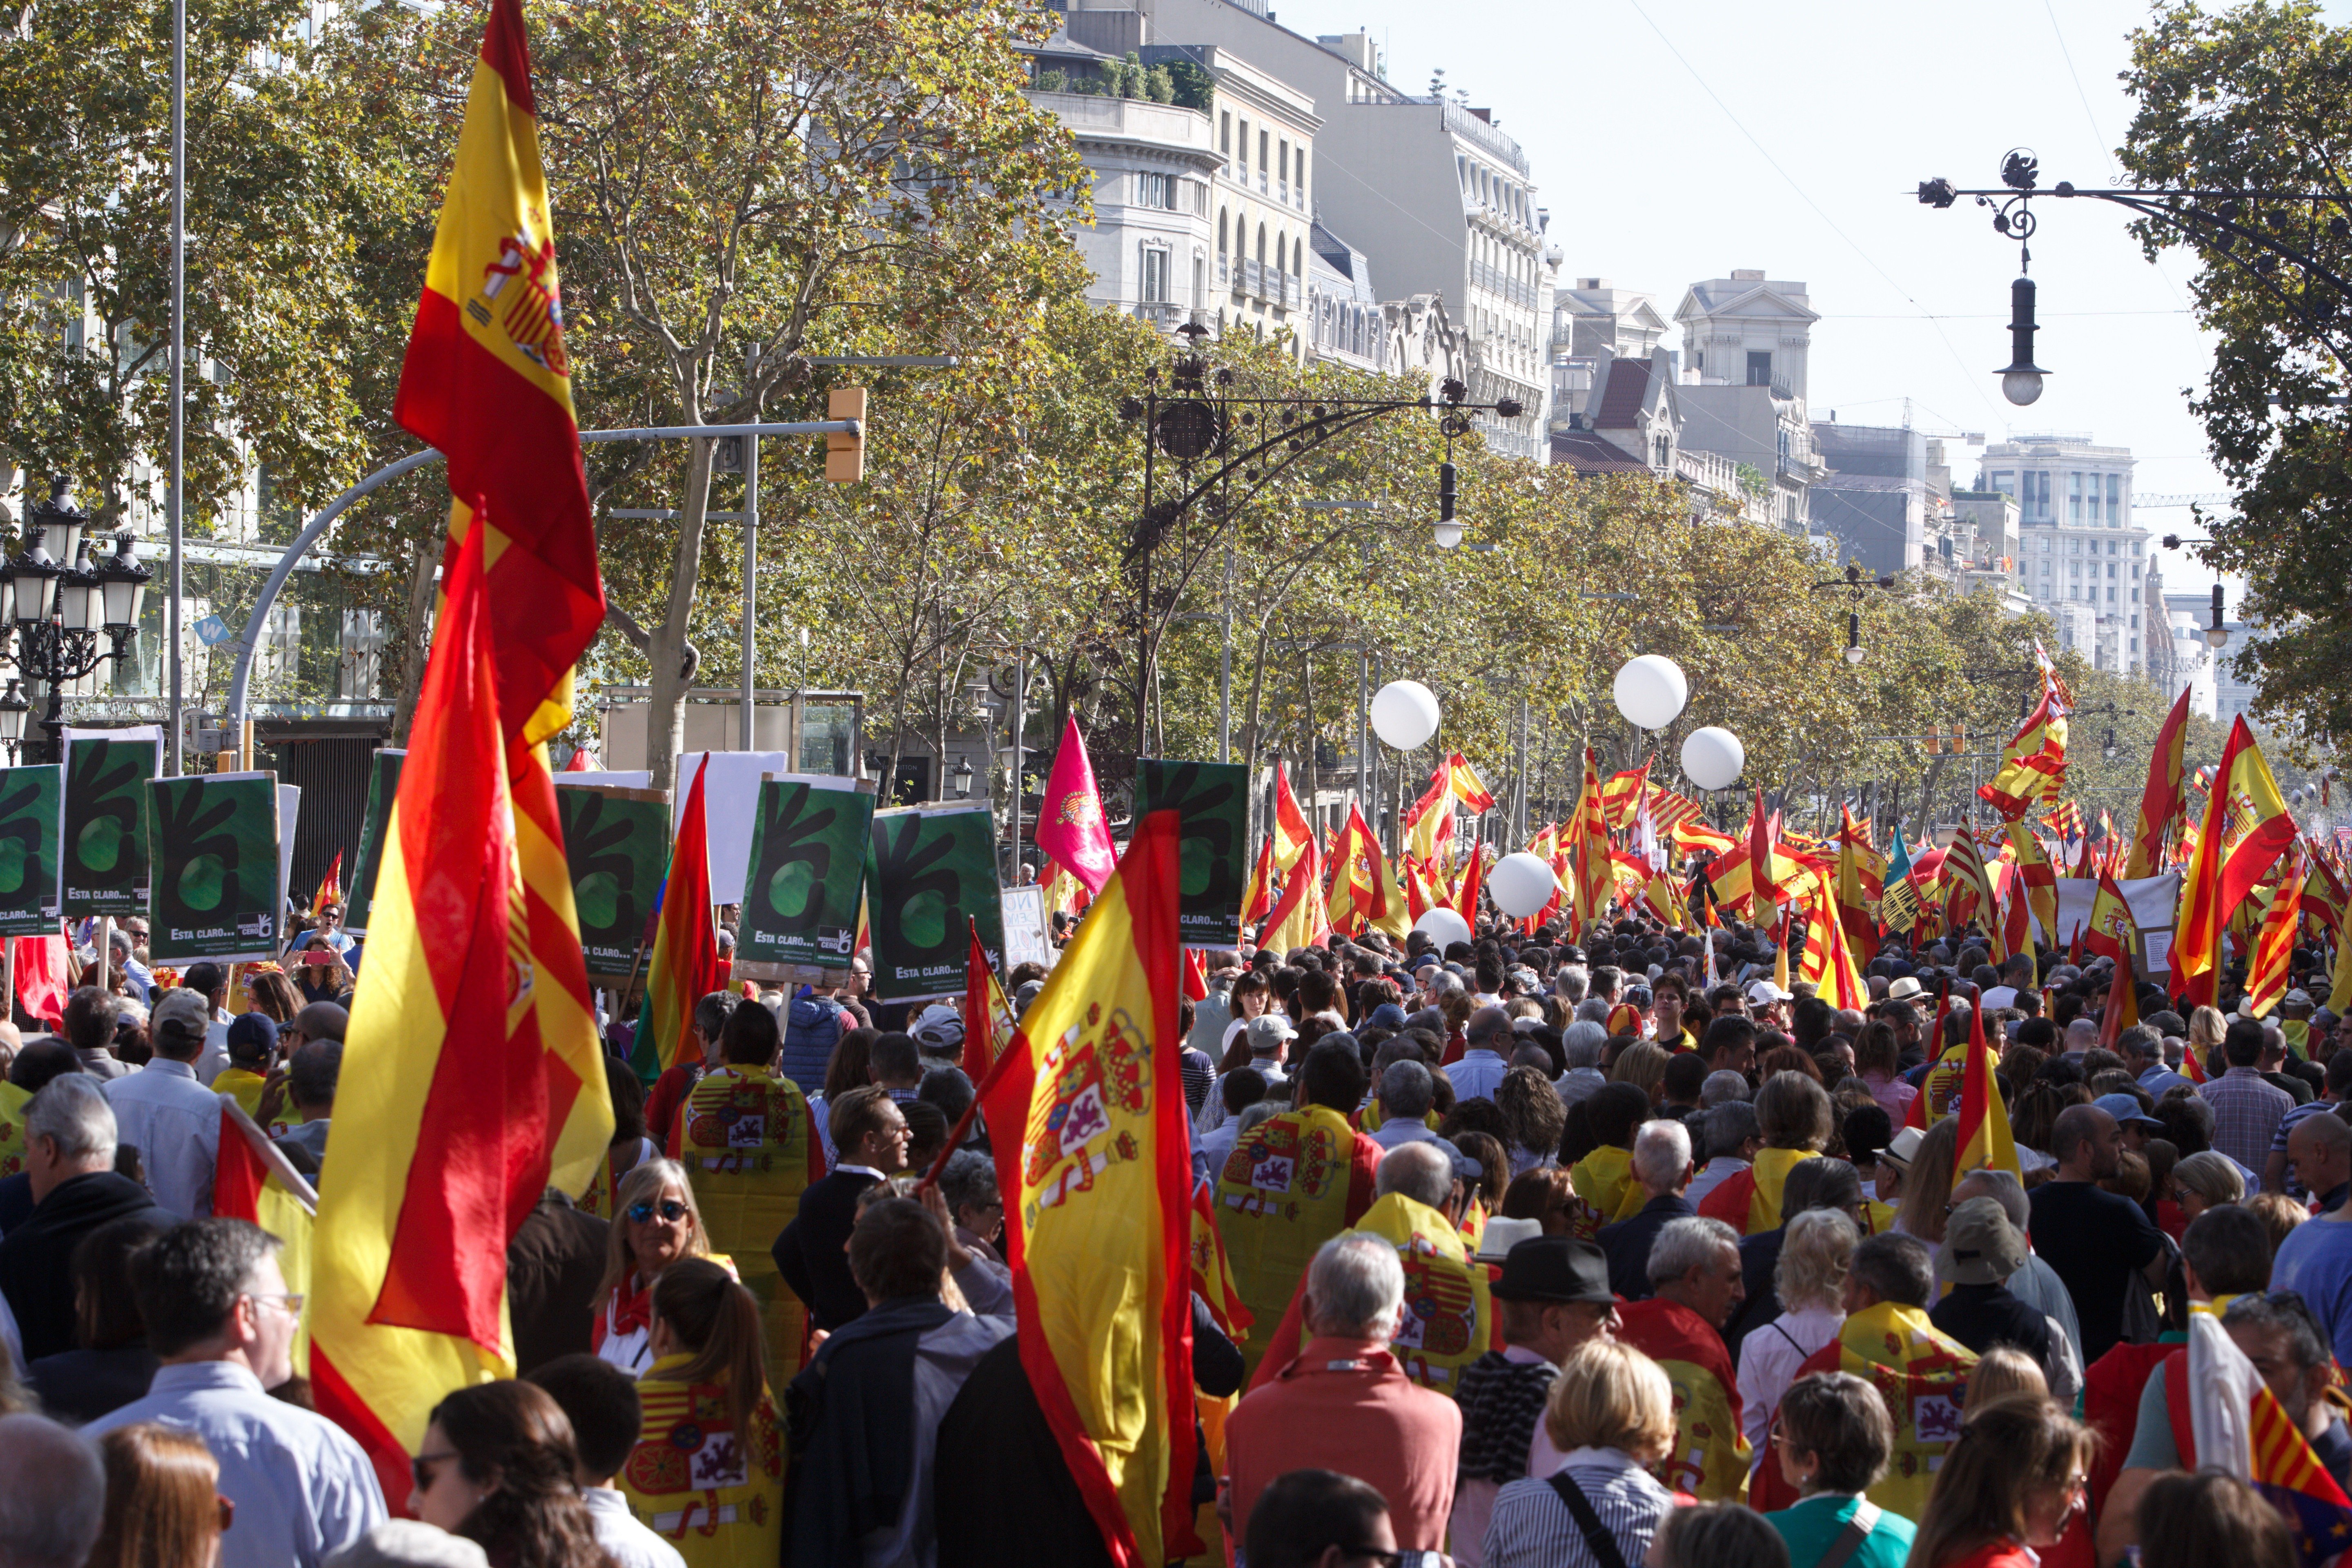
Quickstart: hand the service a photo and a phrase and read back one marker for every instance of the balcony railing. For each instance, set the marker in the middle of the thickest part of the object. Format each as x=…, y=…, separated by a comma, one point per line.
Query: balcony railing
x=1253, y=278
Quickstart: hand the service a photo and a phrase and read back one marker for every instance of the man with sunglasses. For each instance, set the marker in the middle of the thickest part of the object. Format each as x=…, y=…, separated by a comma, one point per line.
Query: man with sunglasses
x=221, y=1320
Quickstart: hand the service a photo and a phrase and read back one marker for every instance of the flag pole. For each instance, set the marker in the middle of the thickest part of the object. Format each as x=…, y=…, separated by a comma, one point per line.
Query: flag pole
x=172, y=635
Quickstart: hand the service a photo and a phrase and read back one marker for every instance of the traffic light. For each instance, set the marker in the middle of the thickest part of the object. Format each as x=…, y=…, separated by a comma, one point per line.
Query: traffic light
x=844, y=455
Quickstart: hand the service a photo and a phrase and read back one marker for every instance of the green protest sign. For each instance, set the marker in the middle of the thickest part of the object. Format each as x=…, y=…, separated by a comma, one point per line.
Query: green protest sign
x=31, y=802
x=1212, y=804
x=617, y=845
x=383, y=788
x=933, y=868
x=104, y=834
x=216, y=887
x=801, y=884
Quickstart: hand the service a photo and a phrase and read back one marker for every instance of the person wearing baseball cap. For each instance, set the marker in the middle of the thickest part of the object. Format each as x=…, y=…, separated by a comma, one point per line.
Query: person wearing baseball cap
x=2139, y=1125
x=172, y=1120
x=1553, y=1296
x=939, y=1035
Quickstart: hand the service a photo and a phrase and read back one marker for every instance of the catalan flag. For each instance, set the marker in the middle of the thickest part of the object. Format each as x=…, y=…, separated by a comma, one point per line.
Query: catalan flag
x=1593, y=875
x=2266, y=975
x=1622, y=795
x=1095, y=1160
x=2240, y=1429
x=1971, y=893
x=1668, y=810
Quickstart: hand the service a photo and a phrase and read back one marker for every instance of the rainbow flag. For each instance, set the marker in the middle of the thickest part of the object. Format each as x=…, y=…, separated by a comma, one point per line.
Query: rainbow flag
x=1098, y=1206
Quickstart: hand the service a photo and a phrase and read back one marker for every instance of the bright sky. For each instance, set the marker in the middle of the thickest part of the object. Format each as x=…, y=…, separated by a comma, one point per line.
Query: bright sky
x=1675, y=140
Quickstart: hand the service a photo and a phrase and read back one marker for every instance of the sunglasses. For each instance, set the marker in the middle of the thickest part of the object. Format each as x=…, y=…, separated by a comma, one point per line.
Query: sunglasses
x=420, y=1468
x=669, y=1210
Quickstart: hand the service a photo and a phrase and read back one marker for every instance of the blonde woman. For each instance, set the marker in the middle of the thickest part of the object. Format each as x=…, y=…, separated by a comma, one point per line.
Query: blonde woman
x=654, y=1224
x=1810, y=1280
x=1928, y=1189
x=2206, y=1028
x=1611, y=1413
x=2001, y=1371
x=1644, y=1065
x=2205, y=1181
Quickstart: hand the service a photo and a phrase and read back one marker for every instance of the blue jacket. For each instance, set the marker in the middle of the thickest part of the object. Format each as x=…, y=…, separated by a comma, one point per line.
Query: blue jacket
x=812, y=1025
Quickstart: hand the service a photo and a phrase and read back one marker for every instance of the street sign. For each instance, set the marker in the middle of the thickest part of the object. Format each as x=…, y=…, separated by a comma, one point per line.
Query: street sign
x=212, y=631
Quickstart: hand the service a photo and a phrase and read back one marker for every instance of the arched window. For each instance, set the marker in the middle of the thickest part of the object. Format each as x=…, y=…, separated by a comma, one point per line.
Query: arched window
x=1280, y=240
x=1261, y=245
x=1221, y=231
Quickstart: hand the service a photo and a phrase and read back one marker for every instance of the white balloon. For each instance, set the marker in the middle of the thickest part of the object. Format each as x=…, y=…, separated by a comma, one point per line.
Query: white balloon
x=1651, y=691
x=1522, y=884
x=1404, y=715
x=1713, y=757
x=1443, y=927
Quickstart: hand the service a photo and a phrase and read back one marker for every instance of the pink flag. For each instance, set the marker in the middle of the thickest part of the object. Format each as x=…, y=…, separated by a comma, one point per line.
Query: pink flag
x=1070, y=825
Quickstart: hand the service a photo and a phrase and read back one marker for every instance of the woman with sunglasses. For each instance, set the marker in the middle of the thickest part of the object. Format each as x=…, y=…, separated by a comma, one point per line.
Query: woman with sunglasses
x=708, y=1472
x=499, y=1466
x=2014, y=1479
x=163, y=1507
x=655, y=1224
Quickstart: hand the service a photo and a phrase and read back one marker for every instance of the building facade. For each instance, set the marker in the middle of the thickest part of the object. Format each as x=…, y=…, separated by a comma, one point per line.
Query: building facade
x=2078, y=544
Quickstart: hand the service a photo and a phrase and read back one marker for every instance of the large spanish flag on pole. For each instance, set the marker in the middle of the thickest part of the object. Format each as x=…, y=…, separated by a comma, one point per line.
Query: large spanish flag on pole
x=2246, y=829
x=1984, y=1141
x=1098, y=1207
x=471, y=1040
x=2165, y=792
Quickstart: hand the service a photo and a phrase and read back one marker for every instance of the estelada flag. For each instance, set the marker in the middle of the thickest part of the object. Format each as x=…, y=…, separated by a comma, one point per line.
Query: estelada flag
x=2246, y=829
x=1984, y=1140
x=1710, y=1460
x=330, y=888
x=684, y=967
x=988, y=1021
x=455, y=1113
x=1096, y=1164
x=2160, y=803
x=2266, y=975
x=253, y=1180
x=1070, y=823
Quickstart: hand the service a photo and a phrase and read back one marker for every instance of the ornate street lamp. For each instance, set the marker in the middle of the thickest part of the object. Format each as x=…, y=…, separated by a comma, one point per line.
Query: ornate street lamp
x=57, y=612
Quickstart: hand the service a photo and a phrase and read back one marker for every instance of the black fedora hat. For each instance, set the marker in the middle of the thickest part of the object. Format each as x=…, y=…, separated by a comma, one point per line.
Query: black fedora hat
x=1554, y=1268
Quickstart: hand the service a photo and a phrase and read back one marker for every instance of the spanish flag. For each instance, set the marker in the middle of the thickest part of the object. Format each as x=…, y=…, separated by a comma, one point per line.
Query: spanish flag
x=456, y=1111
x=1359, y=894
x=1922, y=1373
x=1098, y=1207
x=2041, y=878
x=1984, y=1141
x=2033, y=763
x=1462, y=782
x=684, y=966
x=1710, y=1455
x=1257, y=898
x=1293, y=837
x=2246, y=829
x=1430, y=820
x=2165, y=794
x=253, y=1180
x=1302, y=918
x=330, y=887
x=988, y=1021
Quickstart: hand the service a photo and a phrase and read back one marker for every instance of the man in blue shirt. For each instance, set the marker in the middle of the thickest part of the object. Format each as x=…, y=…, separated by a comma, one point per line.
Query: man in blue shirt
x=221, y=1320
x=2315, y=1262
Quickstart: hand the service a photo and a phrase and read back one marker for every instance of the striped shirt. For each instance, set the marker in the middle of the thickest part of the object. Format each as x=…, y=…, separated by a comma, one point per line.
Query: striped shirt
x=1531, y=1528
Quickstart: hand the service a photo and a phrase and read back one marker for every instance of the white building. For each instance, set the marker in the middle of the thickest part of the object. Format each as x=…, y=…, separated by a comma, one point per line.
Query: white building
x=1747, y=340
x=2078, y=543
x=1439, y=199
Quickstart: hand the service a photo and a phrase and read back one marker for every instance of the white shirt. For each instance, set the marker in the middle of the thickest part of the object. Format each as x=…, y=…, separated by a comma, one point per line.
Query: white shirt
x=2000, y=997
x=175, y=1122
x=1476, y=1076
x=630, y=1544
x=1769, y=1359
x=1709, y=1179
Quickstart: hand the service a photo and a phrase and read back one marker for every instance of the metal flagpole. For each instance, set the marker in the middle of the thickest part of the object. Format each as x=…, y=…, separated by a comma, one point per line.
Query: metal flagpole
x=750, y=557
x=179, y=352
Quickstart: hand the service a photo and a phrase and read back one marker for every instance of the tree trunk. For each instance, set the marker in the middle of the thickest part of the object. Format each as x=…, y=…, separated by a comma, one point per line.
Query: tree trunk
x=415, y=640
x=665, y=715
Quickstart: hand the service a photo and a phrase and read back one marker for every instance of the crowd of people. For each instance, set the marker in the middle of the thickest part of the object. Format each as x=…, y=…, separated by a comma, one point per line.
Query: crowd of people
x=1537, y=1251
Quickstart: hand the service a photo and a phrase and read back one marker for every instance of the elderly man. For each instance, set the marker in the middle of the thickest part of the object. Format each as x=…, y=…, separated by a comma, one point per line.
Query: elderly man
x=1407, y=1091
x=1693, y=1270
x=69, y=1140
x=2246, y=1110
x=1346, y=1404
x=2098, y=1241
x=1662, y=1165
x=55, y=1501
x=2288, y=1347
x=1731, y=1140
x=1552, y=1296
x=1581, y=1047
x=221, y=1320
x=1485, y=1057
x=2142, y=1048
x=1419, y=1211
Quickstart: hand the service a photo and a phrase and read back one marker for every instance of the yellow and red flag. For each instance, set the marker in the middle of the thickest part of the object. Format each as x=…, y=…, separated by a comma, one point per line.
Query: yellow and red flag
x=2041, y=877
x=1984, y=1141
x=1923, y=1374
x=1668, y=810
x=2160, y=803
x=1594, y=875
x=1622, y=795
x=1828, y=962
x=1258, y=898
x=1468, y=886
x=1971, y=888
x=1098, y=1207
x=254, y=1181
x=1462, y=782
x=2033, y=763
x=2112, y=933
x=1710, y=1455
x=330, y=887
x=988, y=1022
x=1429, y=821
x=684, y=966
x=1302, y=917
x=2246, y=829
x=456, y=1109
x=2266, y=975
x=1359, y=892
x=1293, y=835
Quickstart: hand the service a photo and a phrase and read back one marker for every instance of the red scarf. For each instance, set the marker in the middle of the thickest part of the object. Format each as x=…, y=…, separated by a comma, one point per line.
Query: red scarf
x=633, y=1312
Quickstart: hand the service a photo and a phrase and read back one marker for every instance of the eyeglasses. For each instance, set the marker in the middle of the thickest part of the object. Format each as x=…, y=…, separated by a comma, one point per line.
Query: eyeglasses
x=288, y=1301
x=420, y=1471
x=225, y=1507
x=669, y=1210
